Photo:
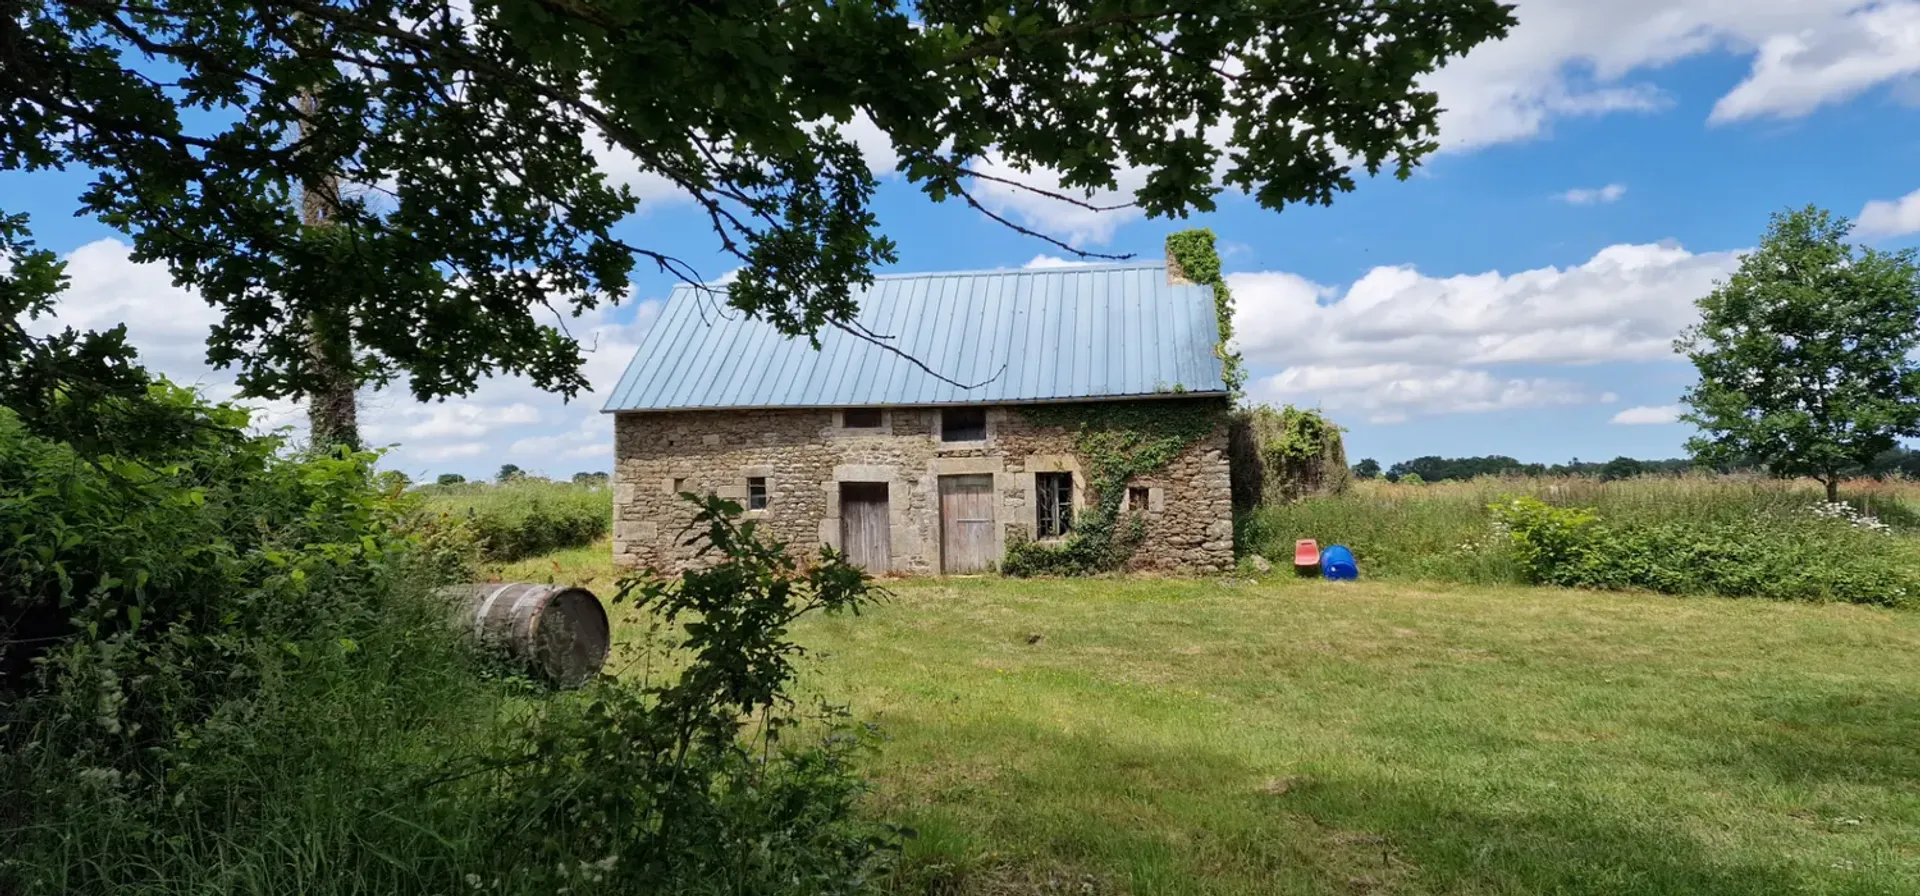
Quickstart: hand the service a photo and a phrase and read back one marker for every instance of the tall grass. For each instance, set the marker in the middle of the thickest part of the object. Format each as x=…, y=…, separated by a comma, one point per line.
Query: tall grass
x=527, y=517
x=1444, y=531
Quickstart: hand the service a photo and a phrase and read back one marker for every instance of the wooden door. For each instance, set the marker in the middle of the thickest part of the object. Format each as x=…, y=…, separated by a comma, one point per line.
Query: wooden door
x=966, y=523
x=865, y=534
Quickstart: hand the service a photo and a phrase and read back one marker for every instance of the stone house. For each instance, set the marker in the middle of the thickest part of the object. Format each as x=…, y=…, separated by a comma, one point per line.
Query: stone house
x=919, y=450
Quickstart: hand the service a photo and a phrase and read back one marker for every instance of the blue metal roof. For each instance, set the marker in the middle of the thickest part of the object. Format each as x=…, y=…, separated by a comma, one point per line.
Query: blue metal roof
x=1051, y=334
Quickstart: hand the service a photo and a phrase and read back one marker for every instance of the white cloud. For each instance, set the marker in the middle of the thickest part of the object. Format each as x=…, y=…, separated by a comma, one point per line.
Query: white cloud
x=1054, y=261
x=1647, y=416
x=502, y=422
x=1796, y=73
x=1092, y=223
x=1570, y=58
x=1398, y=343
x=1596, y=195
x=624, y=168
x=1392, y=392
x=1626, y=303
x=1890, y=217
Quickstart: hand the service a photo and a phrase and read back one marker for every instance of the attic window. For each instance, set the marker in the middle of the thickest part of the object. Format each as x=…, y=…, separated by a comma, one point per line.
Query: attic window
x=860, y=418
x=1053, y=493
x=963, y=425
x=757, y=493
x=1137, y=499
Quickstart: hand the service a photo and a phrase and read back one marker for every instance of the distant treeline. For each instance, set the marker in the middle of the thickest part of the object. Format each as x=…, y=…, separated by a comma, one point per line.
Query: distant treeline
x=1899, y=461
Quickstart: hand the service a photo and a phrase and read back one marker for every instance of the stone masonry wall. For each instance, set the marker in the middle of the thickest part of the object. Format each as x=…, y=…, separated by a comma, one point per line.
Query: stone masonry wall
x=805, y=454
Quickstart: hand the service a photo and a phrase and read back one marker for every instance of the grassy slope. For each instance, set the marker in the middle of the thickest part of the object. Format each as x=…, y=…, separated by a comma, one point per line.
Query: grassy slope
x=1201, y=737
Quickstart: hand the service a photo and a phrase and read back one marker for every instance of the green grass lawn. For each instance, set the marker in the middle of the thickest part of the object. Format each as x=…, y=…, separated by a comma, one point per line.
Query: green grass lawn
x=1287, y=737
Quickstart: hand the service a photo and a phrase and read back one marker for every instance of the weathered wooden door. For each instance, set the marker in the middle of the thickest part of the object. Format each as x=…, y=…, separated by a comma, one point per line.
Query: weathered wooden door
x=966, y=523
x=865, y=535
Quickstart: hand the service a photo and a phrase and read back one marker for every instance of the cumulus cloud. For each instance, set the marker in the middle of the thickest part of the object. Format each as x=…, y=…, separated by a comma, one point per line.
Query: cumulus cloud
x=1625, y=303
x=1890, y=217
x=1593, y=196
x=1648, y=415
x=1572, y=58
x=1393, y=392
x=500, y=423
x=1399, y=343
x=1795, y=73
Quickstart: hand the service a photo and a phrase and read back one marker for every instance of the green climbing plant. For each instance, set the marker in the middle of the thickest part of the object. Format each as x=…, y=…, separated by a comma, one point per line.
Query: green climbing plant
x=1302, y=434
x=1194, y=252
x=1117, y=443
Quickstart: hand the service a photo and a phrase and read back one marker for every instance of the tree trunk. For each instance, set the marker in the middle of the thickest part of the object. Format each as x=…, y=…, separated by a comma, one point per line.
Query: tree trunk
x=1833, y=489
x=332, y=406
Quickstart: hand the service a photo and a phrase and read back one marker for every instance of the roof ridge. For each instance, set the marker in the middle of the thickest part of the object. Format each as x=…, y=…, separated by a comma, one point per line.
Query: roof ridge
x=994, y=272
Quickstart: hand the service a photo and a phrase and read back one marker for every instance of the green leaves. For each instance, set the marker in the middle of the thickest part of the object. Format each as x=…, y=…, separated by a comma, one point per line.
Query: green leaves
x=476, y=217
x=1805, y=355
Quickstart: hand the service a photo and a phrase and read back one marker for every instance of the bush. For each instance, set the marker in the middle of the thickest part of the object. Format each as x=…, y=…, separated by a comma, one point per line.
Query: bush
x=245, y=686
x=1820, y=554
x=524, y=517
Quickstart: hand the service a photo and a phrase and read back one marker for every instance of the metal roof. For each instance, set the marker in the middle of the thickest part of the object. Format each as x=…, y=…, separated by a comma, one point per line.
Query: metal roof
x=1050, y=334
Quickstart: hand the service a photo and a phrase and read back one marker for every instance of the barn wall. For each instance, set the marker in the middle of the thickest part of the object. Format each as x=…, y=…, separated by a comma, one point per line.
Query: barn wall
x=805, y=454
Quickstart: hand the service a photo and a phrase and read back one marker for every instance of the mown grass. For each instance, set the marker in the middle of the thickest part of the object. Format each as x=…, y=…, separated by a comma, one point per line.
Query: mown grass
x=1176, y=737
x=1237, y=737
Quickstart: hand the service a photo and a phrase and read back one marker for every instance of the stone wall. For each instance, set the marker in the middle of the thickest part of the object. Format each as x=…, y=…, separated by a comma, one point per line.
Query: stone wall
x=805, y=454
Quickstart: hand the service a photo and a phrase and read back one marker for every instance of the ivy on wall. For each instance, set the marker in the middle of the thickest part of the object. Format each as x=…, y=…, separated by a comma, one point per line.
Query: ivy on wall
x=1283, y=455
x=1193, y=251
x=1116, y=443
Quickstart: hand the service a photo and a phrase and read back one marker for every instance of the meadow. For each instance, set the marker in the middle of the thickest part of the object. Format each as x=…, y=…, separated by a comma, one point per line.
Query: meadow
x=1730, y=535
x=524, y=517
x=1271, y=735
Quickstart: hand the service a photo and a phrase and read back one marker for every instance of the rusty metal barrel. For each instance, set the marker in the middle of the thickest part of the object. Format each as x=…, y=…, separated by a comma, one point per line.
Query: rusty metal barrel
x=559, y=632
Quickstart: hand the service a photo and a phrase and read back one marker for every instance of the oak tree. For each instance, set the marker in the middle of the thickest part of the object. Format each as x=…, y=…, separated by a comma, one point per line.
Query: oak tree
x=1806, y=354
x=473, y=214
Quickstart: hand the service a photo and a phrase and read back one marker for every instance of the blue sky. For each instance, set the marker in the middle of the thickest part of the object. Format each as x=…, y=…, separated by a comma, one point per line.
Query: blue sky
x=1518, y=295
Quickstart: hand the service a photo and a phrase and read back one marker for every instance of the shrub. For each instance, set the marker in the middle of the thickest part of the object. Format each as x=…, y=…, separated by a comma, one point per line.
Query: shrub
x=1818, y=554
x=525, y=517
x=246, y=687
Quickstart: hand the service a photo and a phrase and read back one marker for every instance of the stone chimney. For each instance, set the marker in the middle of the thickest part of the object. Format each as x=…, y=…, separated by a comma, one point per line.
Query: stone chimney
x=1175, y=275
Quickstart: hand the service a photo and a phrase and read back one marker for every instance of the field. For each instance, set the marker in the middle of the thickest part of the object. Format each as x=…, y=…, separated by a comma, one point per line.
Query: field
x=1738, y=535
x=1233, y=736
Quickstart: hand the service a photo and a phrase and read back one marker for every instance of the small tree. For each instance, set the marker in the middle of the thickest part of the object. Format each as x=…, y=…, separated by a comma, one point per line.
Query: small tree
x=450, y=479
x=509, y=472
x=1367, y=468
x=1805, y=355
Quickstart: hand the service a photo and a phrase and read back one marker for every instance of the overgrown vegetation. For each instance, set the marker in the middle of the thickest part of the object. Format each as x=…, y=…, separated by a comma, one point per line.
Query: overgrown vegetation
x=225, y=672
x=1731, y=535
x=1193, y=251
x=521, y=517
x=1284, y=455
x=1117, y=442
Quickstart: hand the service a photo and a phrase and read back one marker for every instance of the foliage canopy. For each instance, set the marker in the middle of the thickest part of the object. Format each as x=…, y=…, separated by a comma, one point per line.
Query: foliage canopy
x=1806, y=355
x=470, y=140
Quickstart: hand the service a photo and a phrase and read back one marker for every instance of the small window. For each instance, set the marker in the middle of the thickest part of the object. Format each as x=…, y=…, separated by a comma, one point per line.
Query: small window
x=1054, y=493
x=679, y=484
x=757, y=493
x=963, y=425
x=1137, y=498
x=860, y=418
